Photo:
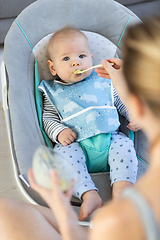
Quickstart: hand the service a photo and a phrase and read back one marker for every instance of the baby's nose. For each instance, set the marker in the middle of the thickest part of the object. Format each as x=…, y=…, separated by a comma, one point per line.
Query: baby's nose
x=74, y=64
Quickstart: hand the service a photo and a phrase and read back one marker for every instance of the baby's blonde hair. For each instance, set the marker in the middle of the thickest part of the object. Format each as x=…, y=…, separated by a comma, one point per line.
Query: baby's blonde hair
x=142, y=62
x=66, y=31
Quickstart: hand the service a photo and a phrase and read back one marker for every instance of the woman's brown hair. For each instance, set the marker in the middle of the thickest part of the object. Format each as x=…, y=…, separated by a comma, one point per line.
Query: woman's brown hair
x=142, y=62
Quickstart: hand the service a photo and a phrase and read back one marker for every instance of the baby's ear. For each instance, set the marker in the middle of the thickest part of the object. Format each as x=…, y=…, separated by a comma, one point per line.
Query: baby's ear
x=51, y=67
x=92, y=55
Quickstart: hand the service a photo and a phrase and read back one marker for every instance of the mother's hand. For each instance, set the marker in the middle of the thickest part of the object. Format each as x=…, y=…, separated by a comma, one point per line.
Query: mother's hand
x=58, y=201
x=108, y=70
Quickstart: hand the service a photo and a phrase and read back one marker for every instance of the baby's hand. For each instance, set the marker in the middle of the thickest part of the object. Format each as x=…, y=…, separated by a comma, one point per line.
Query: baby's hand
x=66, y=137
x=133, y=126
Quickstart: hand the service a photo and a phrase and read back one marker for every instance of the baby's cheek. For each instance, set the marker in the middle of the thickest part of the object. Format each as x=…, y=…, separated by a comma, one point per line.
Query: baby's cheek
x=87, y=74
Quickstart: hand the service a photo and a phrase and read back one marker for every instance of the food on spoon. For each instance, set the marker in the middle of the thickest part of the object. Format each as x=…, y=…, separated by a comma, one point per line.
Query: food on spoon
x=77, y=71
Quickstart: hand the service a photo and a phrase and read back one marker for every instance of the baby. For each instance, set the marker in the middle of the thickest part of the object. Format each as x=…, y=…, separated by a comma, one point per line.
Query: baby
x=80, y=116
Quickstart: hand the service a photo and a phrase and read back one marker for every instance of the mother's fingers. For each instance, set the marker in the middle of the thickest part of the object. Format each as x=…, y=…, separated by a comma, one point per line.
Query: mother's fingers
x=55, y=179
x=33, y=183
x=38, y=188
x=109, y=70
x=44, y=192
x=69, y=192
x=117, y=62
x=102, y=72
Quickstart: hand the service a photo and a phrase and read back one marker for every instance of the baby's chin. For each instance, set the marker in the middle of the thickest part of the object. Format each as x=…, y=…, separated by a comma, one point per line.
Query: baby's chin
x=82, y=76
x=73, y=80
x=76, y=78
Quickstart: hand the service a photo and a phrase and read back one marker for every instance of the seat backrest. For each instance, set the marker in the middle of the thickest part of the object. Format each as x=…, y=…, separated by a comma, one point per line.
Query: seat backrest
x=105, y=17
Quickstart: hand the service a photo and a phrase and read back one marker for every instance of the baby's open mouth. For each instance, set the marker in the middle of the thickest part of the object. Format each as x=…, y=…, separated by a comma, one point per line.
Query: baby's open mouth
x=78, y=72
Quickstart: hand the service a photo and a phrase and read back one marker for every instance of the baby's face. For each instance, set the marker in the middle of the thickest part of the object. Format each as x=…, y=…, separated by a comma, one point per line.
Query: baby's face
x=70, y=54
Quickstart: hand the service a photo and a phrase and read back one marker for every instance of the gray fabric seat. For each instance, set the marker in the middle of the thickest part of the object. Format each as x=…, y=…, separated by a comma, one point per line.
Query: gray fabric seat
x=108, y=18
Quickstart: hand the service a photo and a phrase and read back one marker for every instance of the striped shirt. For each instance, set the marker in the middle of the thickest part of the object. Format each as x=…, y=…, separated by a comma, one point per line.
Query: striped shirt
x=52, y=121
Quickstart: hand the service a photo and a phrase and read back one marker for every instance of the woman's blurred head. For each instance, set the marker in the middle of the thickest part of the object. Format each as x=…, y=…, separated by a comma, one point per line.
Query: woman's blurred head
x=141, y=66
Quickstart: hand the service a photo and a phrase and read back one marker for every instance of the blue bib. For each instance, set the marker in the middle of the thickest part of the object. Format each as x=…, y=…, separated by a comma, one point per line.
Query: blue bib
x=86, y=106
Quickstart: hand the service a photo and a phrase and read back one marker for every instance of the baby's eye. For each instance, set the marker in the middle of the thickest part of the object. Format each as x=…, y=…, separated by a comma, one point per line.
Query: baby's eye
x=66, y=58
x=81, y=56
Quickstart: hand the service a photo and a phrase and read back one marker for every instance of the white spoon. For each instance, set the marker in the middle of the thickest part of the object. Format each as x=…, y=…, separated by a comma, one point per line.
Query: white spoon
x=82, y=71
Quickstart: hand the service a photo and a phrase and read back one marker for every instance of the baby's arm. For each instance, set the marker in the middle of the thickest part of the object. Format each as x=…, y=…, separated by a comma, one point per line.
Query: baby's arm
x=52, y=124
x=133, y=125
x=122, y=109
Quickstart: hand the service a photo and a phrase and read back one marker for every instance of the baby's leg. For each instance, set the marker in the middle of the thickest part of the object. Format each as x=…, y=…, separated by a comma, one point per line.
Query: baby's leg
x=85, y=190
x=123, y=163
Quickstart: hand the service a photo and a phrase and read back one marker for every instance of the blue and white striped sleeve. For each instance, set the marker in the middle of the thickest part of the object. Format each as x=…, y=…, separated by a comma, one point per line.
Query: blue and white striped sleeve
x=51, y=120
x=121, y=108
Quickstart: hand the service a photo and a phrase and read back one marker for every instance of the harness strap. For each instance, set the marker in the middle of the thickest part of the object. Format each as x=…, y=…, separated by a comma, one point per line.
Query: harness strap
x=145, y=212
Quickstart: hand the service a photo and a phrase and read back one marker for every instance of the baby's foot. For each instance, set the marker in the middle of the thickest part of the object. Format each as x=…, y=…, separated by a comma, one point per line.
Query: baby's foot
x=91, y=202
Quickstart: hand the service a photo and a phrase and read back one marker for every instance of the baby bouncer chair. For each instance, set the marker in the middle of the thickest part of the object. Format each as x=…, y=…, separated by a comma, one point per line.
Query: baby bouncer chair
x=25, y=64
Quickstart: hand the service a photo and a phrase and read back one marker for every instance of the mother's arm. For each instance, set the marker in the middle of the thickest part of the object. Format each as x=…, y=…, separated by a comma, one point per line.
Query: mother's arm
x=60, y=204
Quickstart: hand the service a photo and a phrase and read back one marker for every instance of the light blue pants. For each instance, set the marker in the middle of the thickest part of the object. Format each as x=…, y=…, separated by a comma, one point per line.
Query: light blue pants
x=121, y=159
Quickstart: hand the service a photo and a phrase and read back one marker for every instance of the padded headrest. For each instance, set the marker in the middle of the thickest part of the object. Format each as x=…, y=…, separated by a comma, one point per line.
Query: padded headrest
x=100, y=46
